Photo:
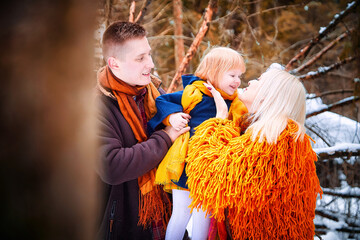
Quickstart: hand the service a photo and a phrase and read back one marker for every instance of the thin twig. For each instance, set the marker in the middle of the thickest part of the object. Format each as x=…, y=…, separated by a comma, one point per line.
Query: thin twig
x=274, y=8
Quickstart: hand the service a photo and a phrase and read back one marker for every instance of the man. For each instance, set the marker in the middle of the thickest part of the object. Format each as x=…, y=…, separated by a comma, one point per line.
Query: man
x=135, y=207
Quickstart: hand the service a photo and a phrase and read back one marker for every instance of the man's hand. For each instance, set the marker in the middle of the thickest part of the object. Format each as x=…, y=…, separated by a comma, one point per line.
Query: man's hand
x=173, y=133
x=179, y=120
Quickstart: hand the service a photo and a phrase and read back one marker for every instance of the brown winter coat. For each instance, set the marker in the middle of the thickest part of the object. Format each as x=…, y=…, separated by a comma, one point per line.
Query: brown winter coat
x=122, y=161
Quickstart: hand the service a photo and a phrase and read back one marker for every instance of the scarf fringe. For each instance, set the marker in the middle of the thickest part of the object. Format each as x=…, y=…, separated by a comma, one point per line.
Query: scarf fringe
x=153, y=207
x=269, y=190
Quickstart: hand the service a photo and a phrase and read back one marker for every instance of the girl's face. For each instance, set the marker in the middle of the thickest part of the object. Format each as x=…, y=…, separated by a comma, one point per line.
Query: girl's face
x=248, y=95
x=230, y=81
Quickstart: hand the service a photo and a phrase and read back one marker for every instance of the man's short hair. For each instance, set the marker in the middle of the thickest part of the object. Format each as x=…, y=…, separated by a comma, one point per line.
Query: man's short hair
x=117, y=34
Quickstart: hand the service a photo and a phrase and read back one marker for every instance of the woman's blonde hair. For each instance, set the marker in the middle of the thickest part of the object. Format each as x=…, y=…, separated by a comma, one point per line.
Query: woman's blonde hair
x=218, y=61
x=281, y=96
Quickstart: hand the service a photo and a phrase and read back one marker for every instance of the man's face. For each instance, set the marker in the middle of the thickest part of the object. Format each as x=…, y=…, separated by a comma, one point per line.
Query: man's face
x=135, y=62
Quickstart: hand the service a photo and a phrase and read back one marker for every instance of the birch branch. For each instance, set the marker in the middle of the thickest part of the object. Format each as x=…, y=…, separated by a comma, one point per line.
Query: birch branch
x=195, y=44
x=323, y=32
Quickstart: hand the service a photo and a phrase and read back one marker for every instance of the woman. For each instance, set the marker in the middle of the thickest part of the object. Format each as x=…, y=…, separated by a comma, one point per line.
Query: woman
x=264, y=181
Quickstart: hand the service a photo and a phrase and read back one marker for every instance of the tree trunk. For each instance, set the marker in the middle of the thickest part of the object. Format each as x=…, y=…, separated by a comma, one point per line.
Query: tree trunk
x=48, y=126
x=178, y=31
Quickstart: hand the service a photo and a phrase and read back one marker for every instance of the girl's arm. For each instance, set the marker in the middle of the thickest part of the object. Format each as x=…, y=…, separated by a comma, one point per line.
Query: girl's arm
x=222, y=110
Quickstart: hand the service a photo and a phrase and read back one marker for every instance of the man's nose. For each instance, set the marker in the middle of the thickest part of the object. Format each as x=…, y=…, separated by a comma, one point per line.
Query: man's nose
x=150, y=63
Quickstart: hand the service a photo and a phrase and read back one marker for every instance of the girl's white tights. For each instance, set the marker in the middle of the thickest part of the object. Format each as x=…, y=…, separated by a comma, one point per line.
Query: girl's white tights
x=181, y=215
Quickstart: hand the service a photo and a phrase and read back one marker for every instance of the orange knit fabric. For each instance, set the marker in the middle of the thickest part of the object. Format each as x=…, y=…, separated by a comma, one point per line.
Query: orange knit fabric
x=269, y=190
x=154, y=203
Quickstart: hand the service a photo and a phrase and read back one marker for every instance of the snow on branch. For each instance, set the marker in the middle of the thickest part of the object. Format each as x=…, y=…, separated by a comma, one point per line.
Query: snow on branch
x=338, y=217
x=323, y=32
x=339, y=150
x=322, y=52
x=324, y=70
x=211, y=8
x=329, y=107
x=322, y=94
x=348, y=193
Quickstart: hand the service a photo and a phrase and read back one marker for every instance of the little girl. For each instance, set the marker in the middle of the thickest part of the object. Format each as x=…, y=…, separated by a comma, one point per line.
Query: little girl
x=222, y=67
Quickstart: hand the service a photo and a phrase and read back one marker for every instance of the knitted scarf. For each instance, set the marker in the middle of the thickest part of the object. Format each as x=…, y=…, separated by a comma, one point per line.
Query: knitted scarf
x=172, y=166
x=154, y=204
x=269, y=190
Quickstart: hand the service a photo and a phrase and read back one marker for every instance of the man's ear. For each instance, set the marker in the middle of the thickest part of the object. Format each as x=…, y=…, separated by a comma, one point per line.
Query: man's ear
x=113, y=63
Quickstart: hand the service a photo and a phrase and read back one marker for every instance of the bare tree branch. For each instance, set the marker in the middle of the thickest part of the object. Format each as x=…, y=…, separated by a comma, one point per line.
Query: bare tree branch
x=142, y=11
x=317, y=134
x=195, y=44
x=333, y=106
x=324, y=70
x=342, y=91
x=323, y=32
x=227, y=15
x=156, y=20
x=132, y=11
x=245, y=18
x=337, y=217
x=336, y=154
x=340, y=229
x=333, y=192
x=322, y=52
x=275, y=8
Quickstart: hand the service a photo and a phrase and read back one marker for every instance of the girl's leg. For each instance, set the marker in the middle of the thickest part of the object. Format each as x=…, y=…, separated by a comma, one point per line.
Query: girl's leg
x=200, y=225
x=180, y=215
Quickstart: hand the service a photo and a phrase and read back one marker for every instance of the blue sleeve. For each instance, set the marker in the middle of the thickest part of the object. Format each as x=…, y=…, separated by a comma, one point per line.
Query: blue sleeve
x=166, y=104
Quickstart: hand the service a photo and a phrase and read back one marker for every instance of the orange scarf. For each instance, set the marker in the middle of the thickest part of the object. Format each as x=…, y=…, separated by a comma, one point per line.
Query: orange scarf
x=154, y=203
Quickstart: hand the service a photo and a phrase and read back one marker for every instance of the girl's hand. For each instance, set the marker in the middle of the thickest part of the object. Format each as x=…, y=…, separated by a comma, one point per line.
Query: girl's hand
x=179, y=120
x=222, y=110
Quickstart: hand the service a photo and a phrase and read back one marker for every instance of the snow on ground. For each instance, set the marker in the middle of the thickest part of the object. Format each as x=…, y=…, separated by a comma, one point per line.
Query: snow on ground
x=338, y=133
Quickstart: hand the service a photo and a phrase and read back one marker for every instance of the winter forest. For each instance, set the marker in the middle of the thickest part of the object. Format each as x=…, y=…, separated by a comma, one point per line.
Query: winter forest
x=318, y=41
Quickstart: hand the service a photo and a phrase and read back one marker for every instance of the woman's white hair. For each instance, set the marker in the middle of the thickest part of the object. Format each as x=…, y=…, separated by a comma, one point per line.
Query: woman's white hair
x=281, y=96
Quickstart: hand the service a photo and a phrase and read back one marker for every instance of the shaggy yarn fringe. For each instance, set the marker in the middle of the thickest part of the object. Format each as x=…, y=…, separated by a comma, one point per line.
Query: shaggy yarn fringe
x=269, y=190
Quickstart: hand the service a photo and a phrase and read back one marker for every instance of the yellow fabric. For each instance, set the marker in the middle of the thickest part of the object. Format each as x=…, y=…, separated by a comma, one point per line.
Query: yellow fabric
x=172, y=166
x=269, y=190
